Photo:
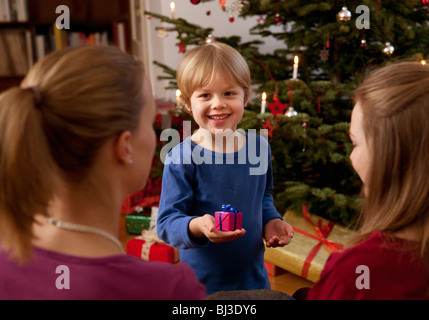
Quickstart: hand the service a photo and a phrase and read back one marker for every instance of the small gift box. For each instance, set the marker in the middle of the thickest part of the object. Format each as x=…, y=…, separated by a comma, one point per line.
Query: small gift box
x=141, y=219
x=150, y=248
x=229, y=219
x=135, y=224
x=314, y=240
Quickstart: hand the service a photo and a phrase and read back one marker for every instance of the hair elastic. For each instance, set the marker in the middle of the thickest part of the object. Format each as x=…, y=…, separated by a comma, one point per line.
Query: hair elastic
x=36, y=93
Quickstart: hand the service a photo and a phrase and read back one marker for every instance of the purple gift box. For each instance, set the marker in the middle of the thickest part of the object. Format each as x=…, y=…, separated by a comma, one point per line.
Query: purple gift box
x=229, y=219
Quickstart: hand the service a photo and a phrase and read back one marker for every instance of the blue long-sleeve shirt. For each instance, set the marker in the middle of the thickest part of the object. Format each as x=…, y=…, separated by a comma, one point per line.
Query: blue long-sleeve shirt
x=197, y=181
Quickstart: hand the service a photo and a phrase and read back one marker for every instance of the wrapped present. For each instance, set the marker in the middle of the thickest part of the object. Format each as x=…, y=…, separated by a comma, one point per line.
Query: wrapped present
x=135, y=224
x=150, y=248
x=229, y=219
x=314, y=240
x=141, y=219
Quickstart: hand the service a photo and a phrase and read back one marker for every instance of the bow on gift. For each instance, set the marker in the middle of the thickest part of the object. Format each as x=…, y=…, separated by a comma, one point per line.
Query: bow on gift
x=150, y=237
x=228, y=208
x=323, y=232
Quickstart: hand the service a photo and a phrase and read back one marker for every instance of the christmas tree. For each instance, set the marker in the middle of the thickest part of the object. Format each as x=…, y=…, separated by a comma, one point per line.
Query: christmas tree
x=335, y=43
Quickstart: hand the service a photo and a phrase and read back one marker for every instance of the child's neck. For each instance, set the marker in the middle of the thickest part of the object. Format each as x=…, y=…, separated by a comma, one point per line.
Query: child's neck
x=227, y=142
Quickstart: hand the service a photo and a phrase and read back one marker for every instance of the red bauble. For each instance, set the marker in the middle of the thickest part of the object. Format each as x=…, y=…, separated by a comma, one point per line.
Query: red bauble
x=425, y=2
x=195, y=1
x=231, y=19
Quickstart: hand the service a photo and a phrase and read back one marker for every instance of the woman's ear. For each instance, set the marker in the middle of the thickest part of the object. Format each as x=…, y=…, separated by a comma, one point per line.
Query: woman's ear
x=123, y=147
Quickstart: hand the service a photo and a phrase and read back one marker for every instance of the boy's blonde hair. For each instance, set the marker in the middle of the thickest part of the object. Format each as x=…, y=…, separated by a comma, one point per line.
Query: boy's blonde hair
x=199, y=66
x=87, y=96
x=395, y=106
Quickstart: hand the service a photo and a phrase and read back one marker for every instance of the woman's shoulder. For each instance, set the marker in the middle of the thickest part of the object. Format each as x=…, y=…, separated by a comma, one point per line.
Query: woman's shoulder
x=370, y=270
x=110, y=277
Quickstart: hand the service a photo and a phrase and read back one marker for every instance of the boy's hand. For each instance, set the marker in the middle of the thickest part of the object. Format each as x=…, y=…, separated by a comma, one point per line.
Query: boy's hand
x=277, y=233
x=205, y=226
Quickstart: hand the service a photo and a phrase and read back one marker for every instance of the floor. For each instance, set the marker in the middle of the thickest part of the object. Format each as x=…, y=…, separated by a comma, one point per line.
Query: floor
x=286, y=282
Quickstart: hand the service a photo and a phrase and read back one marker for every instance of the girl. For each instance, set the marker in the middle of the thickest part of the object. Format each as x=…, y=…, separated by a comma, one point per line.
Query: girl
x=390, y=136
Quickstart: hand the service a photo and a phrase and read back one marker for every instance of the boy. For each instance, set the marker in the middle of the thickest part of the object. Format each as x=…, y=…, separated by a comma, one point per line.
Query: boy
x=203, y=173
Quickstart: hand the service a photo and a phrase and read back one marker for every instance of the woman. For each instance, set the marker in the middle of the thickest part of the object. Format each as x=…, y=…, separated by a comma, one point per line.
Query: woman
x=76, y=138
x=390, y=136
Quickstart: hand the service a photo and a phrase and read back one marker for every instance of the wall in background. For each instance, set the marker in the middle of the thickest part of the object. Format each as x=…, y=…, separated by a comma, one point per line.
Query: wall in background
x=165, y=49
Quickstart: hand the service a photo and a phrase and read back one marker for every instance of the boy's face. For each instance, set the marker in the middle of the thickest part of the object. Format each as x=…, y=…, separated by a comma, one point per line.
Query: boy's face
x=218, y=105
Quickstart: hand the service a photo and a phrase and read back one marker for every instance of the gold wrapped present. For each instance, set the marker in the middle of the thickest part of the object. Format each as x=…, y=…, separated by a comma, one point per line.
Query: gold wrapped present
x=314, y=240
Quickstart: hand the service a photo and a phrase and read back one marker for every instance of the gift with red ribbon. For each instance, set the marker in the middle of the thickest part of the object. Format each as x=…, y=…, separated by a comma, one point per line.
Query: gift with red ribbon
x=314, y=240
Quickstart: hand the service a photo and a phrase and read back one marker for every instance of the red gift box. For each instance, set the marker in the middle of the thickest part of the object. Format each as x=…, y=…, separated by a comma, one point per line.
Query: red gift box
x=156, y=251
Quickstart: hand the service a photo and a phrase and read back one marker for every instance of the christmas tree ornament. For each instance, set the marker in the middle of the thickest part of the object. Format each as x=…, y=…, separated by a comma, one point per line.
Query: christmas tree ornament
x=277, y=107
x=324, y=54
x=268, y=126
x=182, y=47
x=425, y=2
x=162, y=33
x=291, y=112
x=195, y=1
x=234, y=8
x=208, y=12
x=231, y=19
x=344, y=15
x=222, y=4
x=210, y=39
x=388, y=49
x=363, y=44
x=277, y=18
x=304, y=129
x=261, y=20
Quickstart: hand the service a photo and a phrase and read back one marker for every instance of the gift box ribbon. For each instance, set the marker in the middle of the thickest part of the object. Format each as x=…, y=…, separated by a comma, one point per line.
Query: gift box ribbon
x=228, y=208
x=150, y=237
x=323, y=232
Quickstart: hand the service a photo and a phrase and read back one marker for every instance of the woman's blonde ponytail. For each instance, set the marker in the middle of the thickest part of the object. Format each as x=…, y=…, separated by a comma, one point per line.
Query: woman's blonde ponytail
x=27, y=171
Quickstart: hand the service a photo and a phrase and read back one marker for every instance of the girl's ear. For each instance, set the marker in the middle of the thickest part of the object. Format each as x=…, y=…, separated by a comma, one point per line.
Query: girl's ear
x=123, y=147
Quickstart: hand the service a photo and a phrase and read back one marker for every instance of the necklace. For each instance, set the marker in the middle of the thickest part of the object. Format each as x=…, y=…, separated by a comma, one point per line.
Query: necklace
x=86, y=229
